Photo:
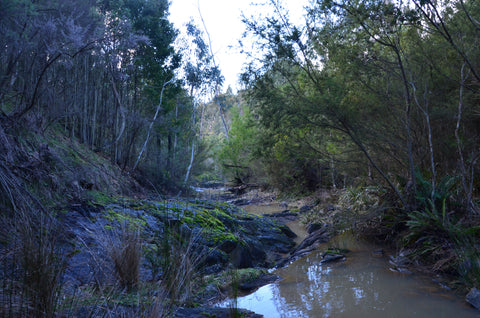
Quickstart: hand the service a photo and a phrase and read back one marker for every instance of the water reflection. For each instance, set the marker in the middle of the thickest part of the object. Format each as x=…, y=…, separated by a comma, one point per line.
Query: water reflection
x=362, y=286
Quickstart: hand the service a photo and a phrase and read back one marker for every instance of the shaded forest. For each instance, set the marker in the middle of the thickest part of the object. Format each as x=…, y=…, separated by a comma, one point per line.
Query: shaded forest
x=104, y=73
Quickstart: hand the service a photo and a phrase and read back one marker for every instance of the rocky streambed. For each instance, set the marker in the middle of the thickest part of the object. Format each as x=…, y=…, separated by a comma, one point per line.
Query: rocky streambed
x=226, y=248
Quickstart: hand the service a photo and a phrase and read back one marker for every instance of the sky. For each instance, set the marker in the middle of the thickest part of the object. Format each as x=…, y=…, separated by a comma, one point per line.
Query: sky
x=223, y=20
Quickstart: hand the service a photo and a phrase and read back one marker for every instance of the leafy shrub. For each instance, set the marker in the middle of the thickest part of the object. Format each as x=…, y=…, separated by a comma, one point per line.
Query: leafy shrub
x=236, y=156
x=441, y=195
x=442, y=240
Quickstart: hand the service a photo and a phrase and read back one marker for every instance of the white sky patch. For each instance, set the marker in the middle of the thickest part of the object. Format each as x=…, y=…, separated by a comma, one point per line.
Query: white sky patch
x=223, y=20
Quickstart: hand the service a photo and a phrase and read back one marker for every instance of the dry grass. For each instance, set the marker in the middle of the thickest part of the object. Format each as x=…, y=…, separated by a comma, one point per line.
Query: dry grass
x=125, y=249
x=33, y=265
x=161, y=307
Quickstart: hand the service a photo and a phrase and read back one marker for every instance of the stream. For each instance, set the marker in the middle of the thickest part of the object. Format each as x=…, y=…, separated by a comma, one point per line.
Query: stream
x=364, y=285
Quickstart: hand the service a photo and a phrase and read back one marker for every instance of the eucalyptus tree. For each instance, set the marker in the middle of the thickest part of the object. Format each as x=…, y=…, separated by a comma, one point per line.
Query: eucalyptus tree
x=201, y=76
x=453, y=28
x=149, y=63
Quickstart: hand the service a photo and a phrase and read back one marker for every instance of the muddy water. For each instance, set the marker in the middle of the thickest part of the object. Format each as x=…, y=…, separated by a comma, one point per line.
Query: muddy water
x=362, y=286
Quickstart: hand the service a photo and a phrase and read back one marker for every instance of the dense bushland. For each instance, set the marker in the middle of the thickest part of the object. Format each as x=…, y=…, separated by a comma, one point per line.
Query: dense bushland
x=373, y=93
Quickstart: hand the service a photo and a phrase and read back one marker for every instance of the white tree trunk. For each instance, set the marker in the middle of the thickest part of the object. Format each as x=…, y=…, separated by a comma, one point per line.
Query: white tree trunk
x=159, y=106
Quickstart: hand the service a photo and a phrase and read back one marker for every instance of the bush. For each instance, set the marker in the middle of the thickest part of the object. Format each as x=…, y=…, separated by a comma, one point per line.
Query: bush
x=425, y=195
x=444, y=241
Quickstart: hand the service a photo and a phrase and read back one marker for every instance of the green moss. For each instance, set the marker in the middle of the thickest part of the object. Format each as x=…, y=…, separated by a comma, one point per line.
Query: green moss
x=336, y=250
x=225, y=279
x=115, y=216
x=100, y=198
x=250, y=274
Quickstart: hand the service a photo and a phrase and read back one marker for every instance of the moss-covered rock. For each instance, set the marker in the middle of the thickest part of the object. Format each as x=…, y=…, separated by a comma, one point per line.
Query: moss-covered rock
x=219, y=234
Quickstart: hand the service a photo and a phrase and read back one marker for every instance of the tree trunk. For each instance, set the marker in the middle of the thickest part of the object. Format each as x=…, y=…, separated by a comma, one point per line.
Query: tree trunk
x=159, y=106
x=466, y=188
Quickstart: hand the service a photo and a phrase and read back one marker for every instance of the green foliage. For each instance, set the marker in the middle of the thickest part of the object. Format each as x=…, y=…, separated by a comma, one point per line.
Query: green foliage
x=320, y=103
x=468, y=258
x=236, y=155
x=441, y=239
x=438, y=197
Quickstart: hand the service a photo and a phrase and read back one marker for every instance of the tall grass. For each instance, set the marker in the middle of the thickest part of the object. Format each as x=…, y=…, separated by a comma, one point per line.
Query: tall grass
x=125, y=249
x=181, y=263
x=180, y=257
x=33, y=262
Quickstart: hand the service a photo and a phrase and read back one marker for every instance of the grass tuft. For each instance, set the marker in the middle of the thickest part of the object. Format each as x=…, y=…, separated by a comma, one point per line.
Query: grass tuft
x=124, y=249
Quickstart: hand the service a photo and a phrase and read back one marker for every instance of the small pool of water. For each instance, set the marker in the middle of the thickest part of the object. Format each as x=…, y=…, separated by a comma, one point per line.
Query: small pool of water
x=361, y=286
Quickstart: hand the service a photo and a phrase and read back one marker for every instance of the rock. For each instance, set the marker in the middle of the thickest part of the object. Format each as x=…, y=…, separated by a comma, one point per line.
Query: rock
x=321, y=235
x=204, y=312
x=221, y=233
x=331, y=257
x=378, y=253
x=214, y=257
x=249, y=254
x=310, y=243
x=283, y=217
x=211, y=292
x=305, y=208
x=260, y=237
x=473, y=298
x=287, y=231
x=314, y=227
x=330, y=207
x=240, y=202
x=227, y=246
x=277, y=242
x=263, y=280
